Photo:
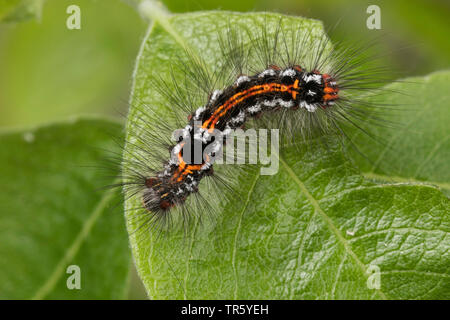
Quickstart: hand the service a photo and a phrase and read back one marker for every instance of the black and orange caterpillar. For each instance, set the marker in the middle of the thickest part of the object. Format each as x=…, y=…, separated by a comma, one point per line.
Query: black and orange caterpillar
x=272, y=89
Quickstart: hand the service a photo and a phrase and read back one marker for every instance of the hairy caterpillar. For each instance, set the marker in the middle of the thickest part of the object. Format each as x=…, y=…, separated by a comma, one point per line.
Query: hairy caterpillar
x=273, y=75
x=226, y=110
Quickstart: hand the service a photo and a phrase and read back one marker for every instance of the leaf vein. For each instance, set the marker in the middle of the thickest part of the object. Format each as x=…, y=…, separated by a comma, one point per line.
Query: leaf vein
x=327, y=220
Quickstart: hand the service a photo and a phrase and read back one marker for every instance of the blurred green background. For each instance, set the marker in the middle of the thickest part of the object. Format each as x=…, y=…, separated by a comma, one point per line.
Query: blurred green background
x=48, y=72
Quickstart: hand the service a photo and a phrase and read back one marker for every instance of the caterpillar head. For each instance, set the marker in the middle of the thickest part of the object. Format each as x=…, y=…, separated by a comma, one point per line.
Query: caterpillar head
x=317, y=90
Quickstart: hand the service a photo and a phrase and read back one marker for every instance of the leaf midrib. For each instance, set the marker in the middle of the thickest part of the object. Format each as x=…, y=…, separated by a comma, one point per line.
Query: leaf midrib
x=376, y=176
x=72, y=251
x=238, y=228
x=327, y=220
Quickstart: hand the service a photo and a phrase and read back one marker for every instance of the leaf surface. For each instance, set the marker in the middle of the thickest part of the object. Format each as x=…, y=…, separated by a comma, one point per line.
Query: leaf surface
x=18, y=10
x=53, y=213
x=315, y=230
x=418, y=149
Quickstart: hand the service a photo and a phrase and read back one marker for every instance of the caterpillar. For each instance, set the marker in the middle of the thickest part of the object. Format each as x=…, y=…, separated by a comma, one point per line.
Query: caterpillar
x=273, y=75
x=274, y=88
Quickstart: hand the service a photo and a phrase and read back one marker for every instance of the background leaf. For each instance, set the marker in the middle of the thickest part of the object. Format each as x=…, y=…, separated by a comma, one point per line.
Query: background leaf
x=418, y=149
x=52, y=213
x=311, y=231
x=49, y=72
x=17, y=10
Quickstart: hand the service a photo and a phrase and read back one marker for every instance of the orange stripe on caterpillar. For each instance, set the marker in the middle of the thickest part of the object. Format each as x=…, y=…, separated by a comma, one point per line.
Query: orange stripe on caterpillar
x=328, y=97
x=241, y=96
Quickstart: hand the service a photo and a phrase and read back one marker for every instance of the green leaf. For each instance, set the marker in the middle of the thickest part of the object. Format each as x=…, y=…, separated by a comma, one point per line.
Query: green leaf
x=18, y=10
x=418, y=149
x=68, y=72
x=53, y=213
x=315, y=230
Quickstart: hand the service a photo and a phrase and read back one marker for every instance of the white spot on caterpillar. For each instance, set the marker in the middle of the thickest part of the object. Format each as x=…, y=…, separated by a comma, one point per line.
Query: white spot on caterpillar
x=280, y=102
x=198, y=112
x=241, y=80
x=313, y=77
x=238, y=119
x=288, y=73
x=307, y=106
x=177, y=148
x=215, y=95
x=206, y=166
x=270, y=103
x=187, y=131
x=286, y=104
x=254, y=109
x=268, y=72
x=311, y=107
x=311, y=93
